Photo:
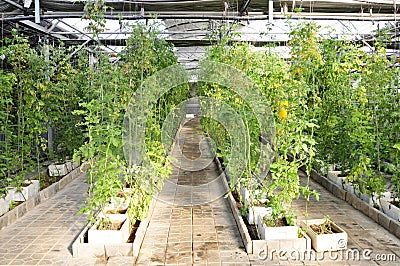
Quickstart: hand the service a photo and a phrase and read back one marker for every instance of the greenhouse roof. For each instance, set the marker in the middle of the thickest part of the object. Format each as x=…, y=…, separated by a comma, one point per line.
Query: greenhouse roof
x=204, y=8
x=50, y=17
x=190, y=23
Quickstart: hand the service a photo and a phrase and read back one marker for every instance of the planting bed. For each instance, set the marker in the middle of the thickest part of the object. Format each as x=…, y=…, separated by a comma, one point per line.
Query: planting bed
x=253, y=244
x=81, y=248
x=390, y=224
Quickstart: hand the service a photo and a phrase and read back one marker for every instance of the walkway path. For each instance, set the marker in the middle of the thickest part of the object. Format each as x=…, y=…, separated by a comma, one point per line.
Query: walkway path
x=364, y=235
x=44, y=235
x=192, y=221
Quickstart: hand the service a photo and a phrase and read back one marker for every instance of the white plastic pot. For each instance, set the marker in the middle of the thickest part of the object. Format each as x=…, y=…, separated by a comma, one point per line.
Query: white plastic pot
x=96, y=236
x=326, y=242
x=5, y=204
x=389, y=209
x=59, y=169
x=26, y=192
x=256, y=212
x=276, y=233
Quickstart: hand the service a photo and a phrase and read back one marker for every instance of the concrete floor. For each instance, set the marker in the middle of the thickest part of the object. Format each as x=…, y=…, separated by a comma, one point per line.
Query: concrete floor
x=192, y=222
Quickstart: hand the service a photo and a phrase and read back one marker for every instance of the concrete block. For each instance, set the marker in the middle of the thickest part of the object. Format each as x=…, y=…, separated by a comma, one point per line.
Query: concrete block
x=21, y=210
x=329, y=187
x=63, y=182
x=342, y=194
x=338, y=192
x=12, y=216
x=374, y=214
x=317, y=177
x=259, y=246
x=44, y=194
x=37, y=200
x=357, y=203
x=31, y=203
x=324, y=182
x=72, y=176
x=248, y=247
x=273, y=245
x=4, y=221
x=301, y=244
x=289, y=244
x=85, y=250
x=384, y=220
x=56, y=188
x=394, y=228
x=364, y=208
x=354, y=201
x=124, y=249
x=349, y=197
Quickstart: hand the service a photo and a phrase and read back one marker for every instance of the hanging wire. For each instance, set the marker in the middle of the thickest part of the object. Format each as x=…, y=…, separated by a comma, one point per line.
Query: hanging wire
x=2, y=38
x=396, y=32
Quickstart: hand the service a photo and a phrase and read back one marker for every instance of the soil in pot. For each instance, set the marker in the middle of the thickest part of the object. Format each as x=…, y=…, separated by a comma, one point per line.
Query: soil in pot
x=15, y=204
x=325, y=228
x=221, y=161
x=395, y=203
x=110, y=225
x=59, y=163
x=134, y=228
x=117, y=211
x=252, y=228
x=49, y=180
x=236, y=197
x=26, y=183
x=276, y=222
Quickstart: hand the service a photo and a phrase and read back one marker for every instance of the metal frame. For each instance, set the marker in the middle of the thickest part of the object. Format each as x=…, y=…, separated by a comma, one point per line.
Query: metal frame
x=240, y=11
x=137, y=15
x=14, y=4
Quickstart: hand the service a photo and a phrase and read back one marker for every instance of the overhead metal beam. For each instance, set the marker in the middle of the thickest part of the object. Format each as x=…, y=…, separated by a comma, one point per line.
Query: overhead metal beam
x=27, y=3
x=53, y=26
x=188, y=42
x=277, y=15
x=244, y=6
x=14, y=4
x=185, y=22
x=76, y=29
x=358, y=36
x=37, y=11
x=270, y=11
x=83, y=33
x=157, y=6
x=177, y=42
x=42, y=29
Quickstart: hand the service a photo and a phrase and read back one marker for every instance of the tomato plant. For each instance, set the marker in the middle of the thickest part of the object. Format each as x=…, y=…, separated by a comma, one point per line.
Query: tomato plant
x=288, y=99
x=108, y=91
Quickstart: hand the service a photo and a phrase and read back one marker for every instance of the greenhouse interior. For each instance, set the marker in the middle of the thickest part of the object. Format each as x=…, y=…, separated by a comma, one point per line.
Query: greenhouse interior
x=201, y=132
